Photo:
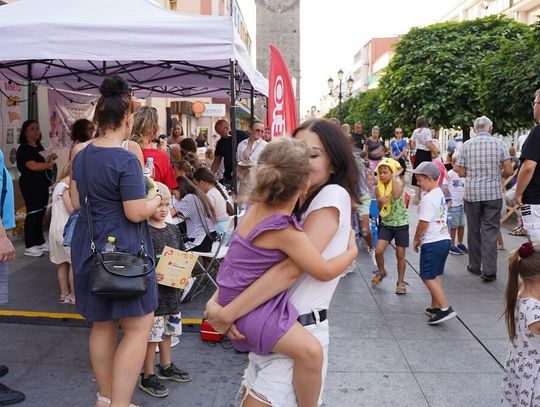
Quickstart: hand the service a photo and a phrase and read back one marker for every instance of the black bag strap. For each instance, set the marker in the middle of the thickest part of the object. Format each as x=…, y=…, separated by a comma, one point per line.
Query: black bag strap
x=142, y=252
x=4, y=192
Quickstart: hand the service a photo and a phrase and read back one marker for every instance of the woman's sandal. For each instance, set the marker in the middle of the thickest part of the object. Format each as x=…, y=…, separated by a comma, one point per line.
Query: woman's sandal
x=103, y=401
x=378, y=278
x=401, y=287
x=518, y=231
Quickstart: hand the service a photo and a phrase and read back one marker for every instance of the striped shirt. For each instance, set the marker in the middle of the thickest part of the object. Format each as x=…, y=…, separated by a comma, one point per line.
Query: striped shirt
x=482, y=157
x=188, y=208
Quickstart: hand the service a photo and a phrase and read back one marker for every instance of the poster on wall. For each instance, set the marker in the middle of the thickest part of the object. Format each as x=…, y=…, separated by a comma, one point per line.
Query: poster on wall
x=11, y=119
x=64, y=109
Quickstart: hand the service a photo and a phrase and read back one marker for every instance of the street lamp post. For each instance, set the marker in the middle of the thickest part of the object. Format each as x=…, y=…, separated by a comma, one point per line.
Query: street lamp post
x=340, y=96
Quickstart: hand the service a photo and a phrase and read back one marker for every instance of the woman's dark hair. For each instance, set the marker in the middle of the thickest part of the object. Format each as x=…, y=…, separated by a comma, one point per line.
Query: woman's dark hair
x=79, y=131
x=339, y=150
x=421, y=121
x=114, y=103
x=188, y=145
x=204, y=174
x=186, y=187
x=24, y=129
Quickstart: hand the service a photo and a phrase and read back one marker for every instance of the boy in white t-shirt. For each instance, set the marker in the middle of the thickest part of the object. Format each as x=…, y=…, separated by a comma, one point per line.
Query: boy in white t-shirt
x=456, y=213
x=433, y=241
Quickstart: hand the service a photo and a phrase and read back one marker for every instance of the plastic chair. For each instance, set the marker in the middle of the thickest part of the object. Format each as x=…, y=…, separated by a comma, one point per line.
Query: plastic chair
x=218, y=252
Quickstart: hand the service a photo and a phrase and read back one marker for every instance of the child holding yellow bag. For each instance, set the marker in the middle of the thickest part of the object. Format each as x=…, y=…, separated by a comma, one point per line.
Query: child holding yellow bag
x=395, y=221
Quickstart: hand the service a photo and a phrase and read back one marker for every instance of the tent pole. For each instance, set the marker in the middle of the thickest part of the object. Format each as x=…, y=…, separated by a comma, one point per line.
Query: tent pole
x=232, y=112
x=251, y=106
x=104, y=64
x=32, y=95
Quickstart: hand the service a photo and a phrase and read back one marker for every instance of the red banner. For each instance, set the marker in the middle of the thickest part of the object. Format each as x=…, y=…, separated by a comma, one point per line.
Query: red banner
x=281, y=100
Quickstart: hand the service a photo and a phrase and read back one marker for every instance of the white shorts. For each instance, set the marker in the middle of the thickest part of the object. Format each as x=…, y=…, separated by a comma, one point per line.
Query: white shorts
x=531, y=221
x=166, y=325
x=269, y=378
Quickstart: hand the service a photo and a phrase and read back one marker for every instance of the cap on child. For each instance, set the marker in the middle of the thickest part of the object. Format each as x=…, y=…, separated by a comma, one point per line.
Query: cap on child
x=428, y=169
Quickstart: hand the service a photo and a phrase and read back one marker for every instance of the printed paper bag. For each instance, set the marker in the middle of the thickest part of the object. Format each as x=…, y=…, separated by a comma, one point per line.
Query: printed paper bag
x=176, y=267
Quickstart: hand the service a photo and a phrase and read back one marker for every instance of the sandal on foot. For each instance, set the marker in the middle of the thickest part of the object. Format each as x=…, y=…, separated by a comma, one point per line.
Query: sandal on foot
x=63, y=299
x=401, y=287
x=378, y=278
x=518, y=231
x=103, y=401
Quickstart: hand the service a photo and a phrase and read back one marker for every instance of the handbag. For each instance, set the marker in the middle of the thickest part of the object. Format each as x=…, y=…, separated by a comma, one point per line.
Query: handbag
x=116, y=274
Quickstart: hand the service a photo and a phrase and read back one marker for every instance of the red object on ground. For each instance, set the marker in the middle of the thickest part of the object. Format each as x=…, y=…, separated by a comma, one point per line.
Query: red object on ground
x=282, y=116
x=208, y=333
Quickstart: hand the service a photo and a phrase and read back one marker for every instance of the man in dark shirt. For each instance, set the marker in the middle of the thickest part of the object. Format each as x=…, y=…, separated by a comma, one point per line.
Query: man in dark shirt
x=528, y=183
x=358, y=138
x=224, y=150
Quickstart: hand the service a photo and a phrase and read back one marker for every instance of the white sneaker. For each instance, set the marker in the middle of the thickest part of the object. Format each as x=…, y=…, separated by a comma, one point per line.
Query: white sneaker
x=43, y=247
x=33, y=251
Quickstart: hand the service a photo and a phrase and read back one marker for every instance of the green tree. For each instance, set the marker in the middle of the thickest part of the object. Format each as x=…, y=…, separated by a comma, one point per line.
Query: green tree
x=435, y=71
x=508, y=80
x=366, y=107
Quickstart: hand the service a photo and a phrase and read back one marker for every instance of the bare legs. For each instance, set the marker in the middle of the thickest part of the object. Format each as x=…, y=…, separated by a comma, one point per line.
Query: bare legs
x=306, y=351
x=438, y=299
x=65, y=279
x=117, y=368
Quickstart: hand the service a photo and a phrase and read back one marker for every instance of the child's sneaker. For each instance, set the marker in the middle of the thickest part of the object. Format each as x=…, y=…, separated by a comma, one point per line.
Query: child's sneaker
x=463, y=248
x=442, y=316
x=378, y=278
x=431, y=312
x=153, y=386
x=455, y=250
x=401, y=287
x=173, y=373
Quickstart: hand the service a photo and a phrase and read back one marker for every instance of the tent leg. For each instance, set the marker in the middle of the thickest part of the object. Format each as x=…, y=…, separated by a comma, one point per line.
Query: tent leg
x=32, y=96
x=252, y=106
x=232, y=77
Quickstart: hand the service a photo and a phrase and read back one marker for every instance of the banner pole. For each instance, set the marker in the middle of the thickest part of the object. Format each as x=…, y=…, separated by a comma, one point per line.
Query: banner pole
x=232, y=113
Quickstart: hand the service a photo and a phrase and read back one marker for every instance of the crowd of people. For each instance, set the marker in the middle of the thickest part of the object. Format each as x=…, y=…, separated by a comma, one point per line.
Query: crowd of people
x=300, y=199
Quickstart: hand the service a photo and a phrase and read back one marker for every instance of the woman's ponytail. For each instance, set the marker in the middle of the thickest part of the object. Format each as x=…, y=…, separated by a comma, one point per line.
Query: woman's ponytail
x=511, y=293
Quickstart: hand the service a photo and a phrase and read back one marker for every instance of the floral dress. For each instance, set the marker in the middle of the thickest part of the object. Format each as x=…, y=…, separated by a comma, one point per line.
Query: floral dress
x=521, y=381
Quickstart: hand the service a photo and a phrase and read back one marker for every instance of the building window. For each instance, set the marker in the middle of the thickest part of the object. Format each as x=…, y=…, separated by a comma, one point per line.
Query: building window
x=173, y=5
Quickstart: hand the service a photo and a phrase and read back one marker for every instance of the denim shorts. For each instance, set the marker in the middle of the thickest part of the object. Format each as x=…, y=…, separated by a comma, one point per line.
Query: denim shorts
x=456, y=217
x=433, y=258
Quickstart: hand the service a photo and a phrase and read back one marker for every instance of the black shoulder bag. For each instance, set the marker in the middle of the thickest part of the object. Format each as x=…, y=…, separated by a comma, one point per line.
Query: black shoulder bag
x=116, y=274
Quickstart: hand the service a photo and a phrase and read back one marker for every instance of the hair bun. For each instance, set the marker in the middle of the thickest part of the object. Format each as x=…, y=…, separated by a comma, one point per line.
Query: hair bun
x=526, y=250
x=114, y=85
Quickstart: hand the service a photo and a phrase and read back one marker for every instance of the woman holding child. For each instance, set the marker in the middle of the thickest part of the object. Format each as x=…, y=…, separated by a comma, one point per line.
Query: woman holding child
x=325, y=215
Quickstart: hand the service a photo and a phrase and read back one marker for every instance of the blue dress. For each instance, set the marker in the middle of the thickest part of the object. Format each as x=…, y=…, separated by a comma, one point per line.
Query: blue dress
x=114, y=175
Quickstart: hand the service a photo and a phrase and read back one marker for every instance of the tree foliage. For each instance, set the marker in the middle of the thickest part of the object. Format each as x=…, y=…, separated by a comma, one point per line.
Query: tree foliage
x=508, y=80
x=439, y=72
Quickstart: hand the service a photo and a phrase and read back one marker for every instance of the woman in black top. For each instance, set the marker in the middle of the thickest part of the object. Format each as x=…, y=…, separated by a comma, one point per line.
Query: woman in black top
x=34, y=182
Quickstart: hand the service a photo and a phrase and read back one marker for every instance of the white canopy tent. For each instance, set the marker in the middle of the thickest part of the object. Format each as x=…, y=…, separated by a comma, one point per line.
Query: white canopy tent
x=72, y=44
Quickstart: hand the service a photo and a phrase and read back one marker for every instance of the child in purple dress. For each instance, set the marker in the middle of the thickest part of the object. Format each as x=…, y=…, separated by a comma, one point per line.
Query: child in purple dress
x=268, y=234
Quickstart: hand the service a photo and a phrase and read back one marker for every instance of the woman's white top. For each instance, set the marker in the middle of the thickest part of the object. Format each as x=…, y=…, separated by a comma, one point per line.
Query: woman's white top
x=308, y=293
x=421, y=138
x=218, y=203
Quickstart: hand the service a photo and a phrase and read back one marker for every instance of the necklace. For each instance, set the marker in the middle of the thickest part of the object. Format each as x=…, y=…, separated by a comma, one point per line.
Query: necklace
x=111, y=139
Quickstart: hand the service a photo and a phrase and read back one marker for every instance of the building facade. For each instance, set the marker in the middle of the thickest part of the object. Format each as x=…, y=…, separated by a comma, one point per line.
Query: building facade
x=524, y=11
x=278, y=23
x=370, y=61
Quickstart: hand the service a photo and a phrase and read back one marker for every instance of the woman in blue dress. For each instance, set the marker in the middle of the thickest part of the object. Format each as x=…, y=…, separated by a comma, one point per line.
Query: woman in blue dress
x=119, y=207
